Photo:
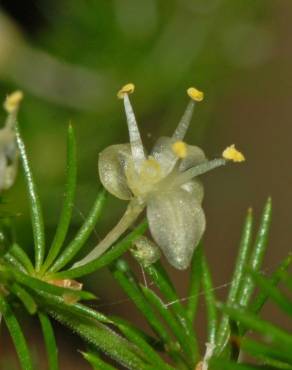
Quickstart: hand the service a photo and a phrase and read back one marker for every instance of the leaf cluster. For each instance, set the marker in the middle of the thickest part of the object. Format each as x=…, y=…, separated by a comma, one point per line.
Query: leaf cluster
x=45, y=288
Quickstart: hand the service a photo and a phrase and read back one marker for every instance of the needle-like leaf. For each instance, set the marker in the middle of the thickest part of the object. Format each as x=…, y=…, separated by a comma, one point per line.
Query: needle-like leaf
x=125, y=278
x=17, y=252
x=257, y=255
x=141, y=340
x=35, y=205
x=106, y=259
x=244, y=248
x=83, y=234
x=172, y=323
x=96, y=362
x=274, y=333
x=50, y=341
x=68, y=204
x=209, y=295
x=16, y=335
x=273, y=292
x=195, y=283
x=24, y=297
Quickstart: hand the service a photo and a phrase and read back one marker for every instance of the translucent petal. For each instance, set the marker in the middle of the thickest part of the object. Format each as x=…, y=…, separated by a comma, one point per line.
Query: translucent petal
x=195, y=187
x=177, y=223
x=111, y=165
x=163, y=153
x=195, y=155
x=8, y=158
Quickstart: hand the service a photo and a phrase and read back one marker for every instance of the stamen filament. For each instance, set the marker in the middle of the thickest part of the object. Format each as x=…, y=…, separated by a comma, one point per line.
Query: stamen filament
x=196, y=96
x=135, y=137
x=184, y=123
x=133, y=211
x=11, y=105
x=198, y=170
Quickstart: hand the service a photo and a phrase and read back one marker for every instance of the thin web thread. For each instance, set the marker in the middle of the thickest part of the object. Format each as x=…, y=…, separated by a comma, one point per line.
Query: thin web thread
x=168, y=304
x=83, y=217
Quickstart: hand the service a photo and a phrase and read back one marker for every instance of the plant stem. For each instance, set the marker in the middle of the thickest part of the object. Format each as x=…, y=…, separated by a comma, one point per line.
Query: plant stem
x=115, y=252
x=133, y=210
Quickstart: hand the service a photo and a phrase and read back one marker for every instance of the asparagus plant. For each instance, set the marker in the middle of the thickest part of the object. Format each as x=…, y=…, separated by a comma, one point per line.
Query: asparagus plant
x=165, y=183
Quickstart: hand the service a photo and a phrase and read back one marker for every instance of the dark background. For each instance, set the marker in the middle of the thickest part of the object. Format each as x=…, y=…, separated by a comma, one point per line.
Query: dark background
x=81, y=52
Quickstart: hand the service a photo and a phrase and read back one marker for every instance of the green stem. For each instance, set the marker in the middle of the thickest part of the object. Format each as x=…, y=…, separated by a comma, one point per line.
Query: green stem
x=115, y=252
x=133, y=210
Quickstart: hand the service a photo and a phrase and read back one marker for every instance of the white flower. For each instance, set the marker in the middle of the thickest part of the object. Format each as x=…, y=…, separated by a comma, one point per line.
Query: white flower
x=164, y=181
x=8, y=147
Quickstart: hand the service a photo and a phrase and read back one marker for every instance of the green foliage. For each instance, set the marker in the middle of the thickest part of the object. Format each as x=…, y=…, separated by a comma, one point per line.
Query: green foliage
x=50, y=341
x=47, y=289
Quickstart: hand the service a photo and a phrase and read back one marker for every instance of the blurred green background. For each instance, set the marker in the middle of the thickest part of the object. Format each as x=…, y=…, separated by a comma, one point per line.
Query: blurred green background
x=70, y=58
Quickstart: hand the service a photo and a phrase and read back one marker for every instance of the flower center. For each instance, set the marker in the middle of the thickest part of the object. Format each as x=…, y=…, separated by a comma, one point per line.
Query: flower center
x=150, y=170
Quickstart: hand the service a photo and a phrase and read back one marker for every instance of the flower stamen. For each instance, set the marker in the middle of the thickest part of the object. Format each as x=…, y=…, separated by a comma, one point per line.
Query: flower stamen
x=126, y=89
x=198, y=170
x=232, y=154
x=12, y=101
x=180, y=149
x=134, y=134
x=11, y=105
x=196, y=96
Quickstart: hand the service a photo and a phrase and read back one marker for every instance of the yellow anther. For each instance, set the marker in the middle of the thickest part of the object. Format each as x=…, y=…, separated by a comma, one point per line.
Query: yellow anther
x=232, y=154
x=195, y=94
x=180, y=149
x=12, y=101
x=126, y=89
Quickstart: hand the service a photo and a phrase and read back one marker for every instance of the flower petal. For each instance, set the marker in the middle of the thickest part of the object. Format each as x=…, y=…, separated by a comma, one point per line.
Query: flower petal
x=111, y=166
x=195, y=155
x=163, y=153
x=177, y=223
x=195, y=188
